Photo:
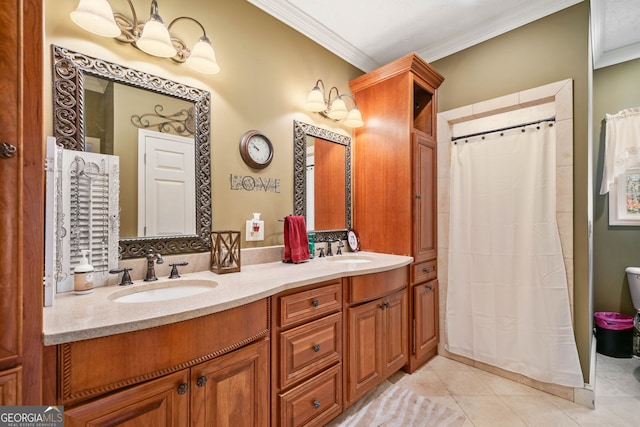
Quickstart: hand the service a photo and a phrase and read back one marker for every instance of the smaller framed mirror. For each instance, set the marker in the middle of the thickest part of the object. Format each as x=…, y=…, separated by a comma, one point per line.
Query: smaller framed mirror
x=322, y=181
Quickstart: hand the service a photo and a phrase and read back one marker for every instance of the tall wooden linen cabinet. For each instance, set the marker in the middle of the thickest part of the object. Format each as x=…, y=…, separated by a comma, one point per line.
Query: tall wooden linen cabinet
x=394, y=173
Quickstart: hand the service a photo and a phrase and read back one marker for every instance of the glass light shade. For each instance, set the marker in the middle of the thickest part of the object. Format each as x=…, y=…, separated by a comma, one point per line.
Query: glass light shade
x=96, y=17
x=155, y=40
x=338, y=110
x=315, y=101
x=203, y=58
x=354, y=119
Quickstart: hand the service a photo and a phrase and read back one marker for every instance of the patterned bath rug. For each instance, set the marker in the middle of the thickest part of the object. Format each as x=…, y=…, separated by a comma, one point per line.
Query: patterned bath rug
x=399, y=407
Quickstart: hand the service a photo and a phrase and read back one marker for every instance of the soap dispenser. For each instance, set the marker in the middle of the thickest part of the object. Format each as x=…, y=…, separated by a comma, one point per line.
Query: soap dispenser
x=83, y=275
x=312, y=245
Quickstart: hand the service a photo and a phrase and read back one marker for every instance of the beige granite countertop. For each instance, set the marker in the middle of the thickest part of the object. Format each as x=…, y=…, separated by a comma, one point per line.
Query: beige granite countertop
x=79, y=317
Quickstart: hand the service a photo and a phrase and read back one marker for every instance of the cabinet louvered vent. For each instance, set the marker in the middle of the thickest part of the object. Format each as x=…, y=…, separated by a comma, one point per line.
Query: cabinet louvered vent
x=86, y=215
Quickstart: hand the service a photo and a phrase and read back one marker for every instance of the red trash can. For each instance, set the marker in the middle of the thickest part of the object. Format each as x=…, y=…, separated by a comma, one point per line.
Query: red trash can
x=614, y=334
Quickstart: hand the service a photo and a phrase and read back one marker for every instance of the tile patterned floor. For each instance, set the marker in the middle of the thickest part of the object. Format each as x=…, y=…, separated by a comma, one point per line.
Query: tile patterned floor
x=489, y=400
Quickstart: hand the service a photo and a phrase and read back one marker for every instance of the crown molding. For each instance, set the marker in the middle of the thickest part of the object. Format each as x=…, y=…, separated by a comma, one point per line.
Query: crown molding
x=286, y=12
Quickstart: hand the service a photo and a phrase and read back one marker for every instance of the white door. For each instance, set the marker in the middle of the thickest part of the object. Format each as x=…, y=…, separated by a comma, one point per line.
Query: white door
x=166, y=184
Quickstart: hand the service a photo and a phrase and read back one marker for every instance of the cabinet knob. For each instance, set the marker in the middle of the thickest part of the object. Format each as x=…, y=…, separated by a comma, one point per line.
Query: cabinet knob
x=182, y=388
x=316, y=348
x=7, y=151
x=201, y=381
x=430, y=287
x=315, y=303
x=384, y=305
x=316, y=404
x=418, y=196
x=426, y=269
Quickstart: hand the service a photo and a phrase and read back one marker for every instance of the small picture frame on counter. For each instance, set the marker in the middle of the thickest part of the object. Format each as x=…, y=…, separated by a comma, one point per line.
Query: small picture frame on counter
x=225, y=251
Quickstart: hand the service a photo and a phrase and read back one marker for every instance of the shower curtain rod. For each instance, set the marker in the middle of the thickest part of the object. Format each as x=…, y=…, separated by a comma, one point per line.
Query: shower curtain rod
x=550, y=119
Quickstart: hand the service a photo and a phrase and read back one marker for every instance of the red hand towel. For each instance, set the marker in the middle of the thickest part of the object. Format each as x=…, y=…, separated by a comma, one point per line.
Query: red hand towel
x=296, y=244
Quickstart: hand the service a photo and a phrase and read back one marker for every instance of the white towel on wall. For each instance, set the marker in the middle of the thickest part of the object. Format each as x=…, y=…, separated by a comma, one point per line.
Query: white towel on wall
x=622, y=145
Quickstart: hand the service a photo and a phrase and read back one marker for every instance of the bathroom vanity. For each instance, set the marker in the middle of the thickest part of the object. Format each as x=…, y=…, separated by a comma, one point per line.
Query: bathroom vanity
x=296, y=340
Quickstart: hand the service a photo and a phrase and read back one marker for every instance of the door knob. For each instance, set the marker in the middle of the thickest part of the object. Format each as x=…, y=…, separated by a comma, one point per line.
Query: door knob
x=7, y=150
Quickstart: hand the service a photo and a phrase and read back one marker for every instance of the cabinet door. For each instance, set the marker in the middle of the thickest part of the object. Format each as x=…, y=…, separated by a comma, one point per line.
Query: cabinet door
x=365, y=340
x=395, y=342
x=158, y=403
x=232, y=390
x=425, y=314
x=425, y=193
x=21, y=193
x=10, y=385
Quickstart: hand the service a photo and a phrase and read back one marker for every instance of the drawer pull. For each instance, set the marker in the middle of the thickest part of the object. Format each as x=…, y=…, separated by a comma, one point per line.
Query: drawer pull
x=316, y=348
x=426, y=270
x=316, y=404
x=430, y=287
x=201, y=381
x=315, y=303
x=182, y=388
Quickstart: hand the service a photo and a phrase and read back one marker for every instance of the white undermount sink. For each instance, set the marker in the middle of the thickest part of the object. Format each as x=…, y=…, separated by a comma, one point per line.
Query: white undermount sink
x=163, y=291
x=350, y=259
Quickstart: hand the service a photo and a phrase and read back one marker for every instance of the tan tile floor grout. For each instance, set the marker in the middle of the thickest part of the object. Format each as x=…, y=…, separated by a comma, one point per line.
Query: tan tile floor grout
x=490, y=400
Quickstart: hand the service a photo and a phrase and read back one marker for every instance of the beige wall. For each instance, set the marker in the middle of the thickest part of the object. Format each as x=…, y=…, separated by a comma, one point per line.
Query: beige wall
x=267, y=70
x=614, y=248
x=548, y=50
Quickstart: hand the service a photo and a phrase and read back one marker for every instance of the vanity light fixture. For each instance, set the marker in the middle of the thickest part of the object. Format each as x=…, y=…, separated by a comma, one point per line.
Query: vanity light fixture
x=333, y=108
x=152, y=37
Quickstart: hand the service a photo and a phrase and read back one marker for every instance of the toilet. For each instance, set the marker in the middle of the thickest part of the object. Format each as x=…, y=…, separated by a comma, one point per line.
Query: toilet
x=633, y=277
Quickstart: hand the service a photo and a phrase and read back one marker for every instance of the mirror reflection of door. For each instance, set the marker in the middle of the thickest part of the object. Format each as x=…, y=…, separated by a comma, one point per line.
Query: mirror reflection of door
x=329, y=184
x=110, y=107
x=166, y=184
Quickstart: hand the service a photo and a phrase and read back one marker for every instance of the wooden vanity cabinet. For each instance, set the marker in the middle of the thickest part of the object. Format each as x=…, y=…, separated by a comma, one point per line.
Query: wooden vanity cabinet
x=377, y=330
x=199, y=372
x=394, y=173
x=307, y=355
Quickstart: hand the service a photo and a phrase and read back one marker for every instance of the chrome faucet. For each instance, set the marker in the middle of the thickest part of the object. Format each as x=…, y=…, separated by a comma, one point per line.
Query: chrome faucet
x=151, y=271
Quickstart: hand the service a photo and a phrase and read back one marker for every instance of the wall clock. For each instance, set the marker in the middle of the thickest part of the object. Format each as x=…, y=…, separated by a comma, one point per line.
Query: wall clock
x=256, y=149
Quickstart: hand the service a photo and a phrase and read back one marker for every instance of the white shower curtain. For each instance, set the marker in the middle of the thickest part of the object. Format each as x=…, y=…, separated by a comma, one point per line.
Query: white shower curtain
x=507, y=297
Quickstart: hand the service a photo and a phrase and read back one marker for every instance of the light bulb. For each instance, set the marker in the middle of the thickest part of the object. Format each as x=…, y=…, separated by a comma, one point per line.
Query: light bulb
x=354, y=119
x=315, y=101
x=338, y=110
x=96, y=17
x=203, y=58
x=155, y=39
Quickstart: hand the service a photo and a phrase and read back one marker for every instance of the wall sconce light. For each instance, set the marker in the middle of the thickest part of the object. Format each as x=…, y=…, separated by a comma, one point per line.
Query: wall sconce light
x=333, y=108
x=152, y=37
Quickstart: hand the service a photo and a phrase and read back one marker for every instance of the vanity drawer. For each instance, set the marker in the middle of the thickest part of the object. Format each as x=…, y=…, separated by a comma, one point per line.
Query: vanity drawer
x=424, y=271
x=309, y=348
x=313, y=402
x=310, y=304
x=372, y=286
